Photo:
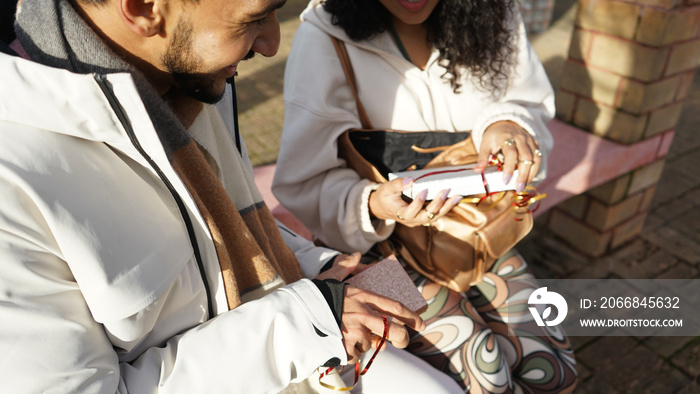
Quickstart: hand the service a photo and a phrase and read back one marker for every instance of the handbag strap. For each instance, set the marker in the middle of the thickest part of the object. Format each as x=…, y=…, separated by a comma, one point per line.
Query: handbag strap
x=350, y=76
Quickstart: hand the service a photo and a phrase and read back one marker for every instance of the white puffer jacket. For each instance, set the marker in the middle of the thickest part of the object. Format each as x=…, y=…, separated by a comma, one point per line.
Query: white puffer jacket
x=100, y=289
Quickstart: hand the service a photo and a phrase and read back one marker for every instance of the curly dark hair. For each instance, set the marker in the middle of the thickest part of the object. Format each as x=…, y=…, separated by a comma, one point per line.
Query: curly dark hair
x=470, y=34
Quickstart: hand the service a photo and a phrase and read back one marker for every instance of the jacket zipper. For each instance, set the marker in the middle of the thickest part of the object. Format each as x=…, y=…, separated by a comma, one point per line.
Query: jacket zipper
x=124, y=120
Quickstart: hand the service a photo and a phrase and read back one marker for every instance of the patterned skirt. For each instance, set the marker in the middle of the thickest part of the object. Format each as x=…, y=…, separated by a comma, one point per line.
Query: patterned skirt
x=467, y=336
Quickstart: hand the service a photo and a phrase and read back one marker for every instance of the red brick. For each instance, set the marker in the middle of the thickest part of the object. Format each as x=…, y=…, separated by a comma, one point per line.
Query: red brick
x=646, y=176
x=686, y=83
x=580, y=43
x=604, y=217
x=578, y=235
x=575, y=206
x=609, y=123
x=663, y=119
x=599, y=85
x=683, y=57
x=610, y=17
x=647, y=198
x=659, y=27
x=565, y=103
x=665, y=145
x=613, y=191
x=638, y=97
x=628, y=230
x=628, y=58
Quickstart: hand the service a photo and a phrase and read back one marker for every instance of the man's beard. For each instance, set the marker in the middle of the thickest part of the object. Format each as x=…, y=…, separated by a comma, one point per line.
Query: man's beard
x=182, y=63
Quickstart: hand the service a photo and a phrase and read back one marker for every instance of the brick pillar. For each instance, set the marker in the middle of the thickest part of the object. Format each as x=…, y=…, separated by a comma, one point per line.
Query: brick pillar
x=627, y=75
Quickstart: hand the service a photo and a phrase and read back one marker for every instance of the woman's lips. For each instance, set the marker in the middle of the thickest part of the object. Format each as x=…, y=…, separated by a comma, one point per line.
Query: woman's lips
x=413, y=5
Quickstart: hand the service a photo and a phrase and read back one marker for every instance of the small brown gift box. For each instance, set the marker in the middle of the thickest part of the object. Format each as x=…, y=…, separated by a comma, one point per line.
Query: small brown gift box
x=388, y=278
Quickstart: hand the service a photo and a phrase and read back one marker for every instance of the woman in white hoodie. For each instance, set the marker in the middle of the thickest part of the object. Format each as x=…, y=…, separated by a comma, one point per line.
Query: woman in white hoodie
x=421, y=65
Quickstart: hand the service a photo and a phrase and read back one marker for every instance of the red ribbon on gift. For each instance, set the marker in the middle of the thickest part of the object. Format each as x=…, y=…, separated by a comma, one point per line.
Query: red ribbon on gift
x=523, y=199
x=357, y=365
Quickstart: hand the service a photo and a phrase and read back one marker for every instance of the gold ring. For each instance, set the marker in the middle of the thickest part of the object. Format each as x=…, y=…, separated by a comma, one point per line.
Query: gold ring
x=527, y=162
x=538, y=153
x=398, y=215
x=509, y=142
x=430, y=214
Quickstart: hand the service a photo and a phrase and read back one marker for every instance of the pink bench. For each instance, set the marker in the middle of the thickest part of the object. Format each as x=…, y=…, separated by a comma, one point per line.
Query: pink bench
x=263, y=179
x=580, y=161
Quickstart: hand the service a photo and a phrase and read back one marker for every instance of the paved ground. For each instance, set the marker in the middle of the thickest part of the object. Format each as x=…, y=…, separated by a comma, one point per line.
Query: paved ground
x=668, y=247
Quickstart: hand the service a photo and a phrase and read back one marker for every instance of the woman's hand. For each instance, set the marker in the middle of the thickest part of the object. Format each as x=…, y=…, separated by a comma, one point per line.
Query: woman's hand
x=518, y=148
x=386, y=203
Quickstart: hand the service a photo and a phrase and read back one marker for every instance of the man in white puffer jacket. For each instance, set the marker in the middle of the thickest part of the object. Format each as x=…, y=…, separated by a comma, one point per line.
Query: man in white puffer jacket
x=136, y=254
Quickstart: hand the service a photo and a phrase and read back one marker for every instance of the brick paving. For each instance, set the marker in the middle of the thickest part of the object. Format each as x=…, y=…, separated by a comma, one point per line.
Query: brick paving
x=668, y=246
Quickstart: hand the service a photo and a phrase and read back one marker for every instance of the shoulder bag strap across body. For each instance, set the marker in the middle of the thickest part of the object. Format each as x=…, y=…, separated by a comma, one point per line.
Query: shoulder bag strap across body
x=457, y=249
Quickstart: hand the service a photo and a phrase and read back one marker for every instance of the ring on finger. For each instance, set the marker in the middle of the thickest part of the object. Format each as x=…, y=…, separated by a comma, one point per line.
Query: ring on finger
x=430, y=214
x=398, y=215
x=527, y=162
x=509, y=142
x=538, y=152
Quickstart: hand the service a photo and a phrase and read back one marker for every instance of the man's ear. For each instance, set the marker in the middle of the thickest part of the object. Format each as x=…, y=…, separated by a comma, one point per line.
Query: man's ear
x=143, y=17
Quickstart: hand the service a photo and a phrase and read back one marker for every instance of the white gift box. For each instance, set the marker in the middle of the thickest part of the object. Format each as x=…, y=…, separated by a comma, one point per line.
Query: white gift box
x=461, y=180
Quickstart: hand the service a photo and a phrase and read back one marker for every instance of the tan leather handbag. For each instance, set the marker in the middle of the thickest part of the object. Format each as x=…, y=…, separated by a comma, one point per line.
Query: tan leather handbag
x=459, y=248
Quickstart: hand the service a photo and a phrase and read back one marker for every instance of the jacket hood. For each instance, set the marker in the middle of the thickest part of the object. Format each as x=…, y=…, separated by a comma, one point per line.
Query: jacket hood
x=58, y=100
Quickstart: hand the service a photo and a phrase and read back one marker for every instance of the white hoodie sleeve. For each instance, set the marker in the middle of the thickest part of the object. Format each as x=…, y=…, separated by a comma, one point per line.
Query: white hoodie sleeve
x=528, y=101
x=310, y=180
x=311, y=257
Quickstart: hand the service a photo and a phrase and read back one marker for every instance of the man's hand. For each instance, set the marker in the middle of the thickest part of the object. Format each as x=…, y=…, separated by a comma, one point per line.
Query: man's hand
x=363, y=326
x=361, y=323
x=343, y=266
